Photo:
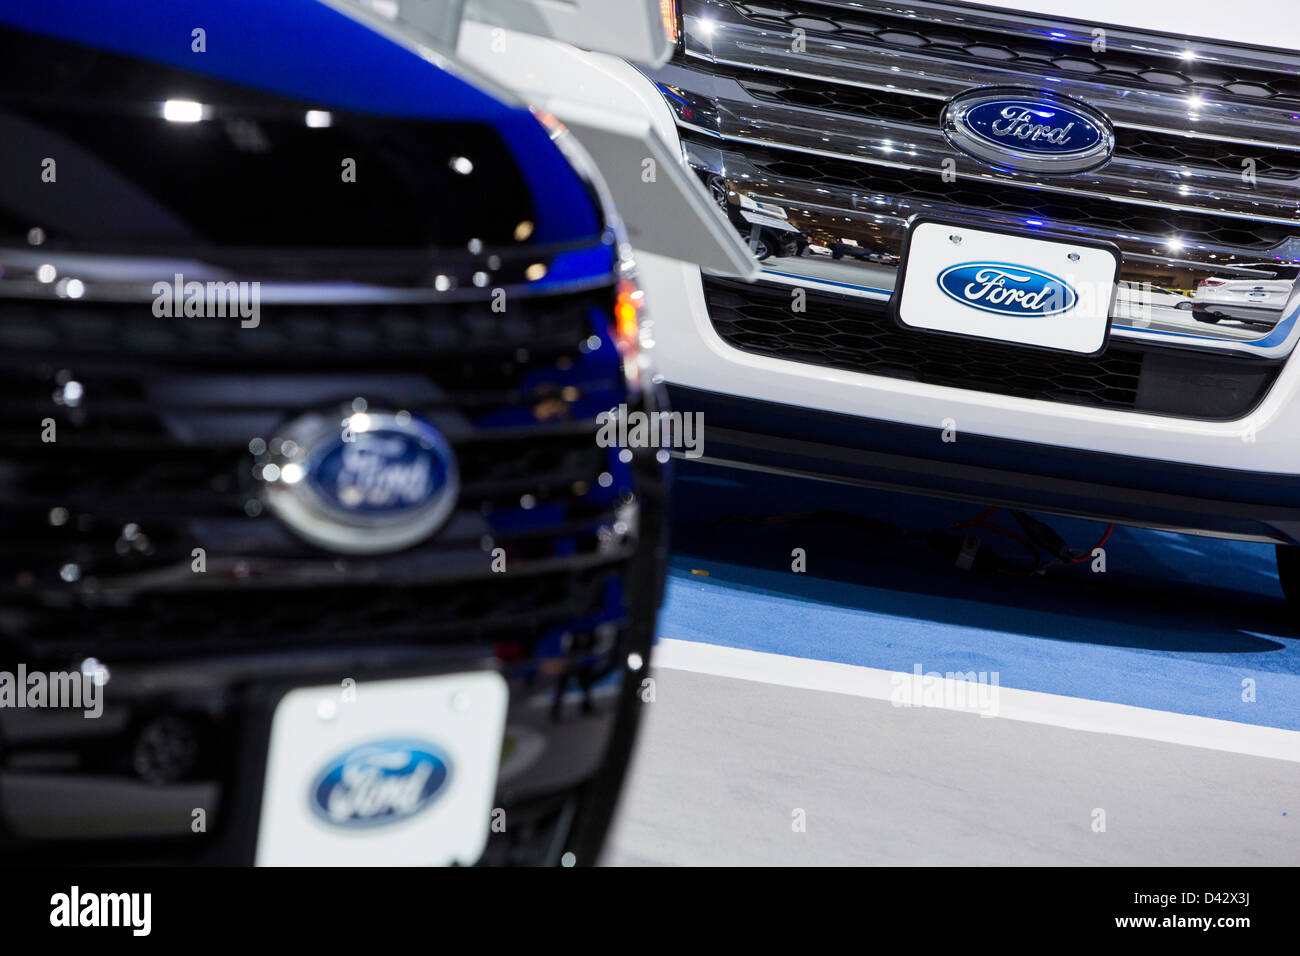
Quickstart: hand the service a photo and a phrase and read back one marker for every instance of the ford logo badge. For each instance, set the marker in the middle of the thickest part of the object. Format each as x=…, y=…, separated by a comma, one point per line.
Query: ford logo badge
x=359, y=482
x=1028, y=130
x=379, y=783
x=1005, y=289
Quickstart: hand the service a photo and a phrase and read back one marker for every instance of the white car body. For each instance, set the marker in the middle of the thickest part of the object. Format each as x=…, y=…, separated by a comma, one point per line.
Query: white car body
x=691, y=353
x=765, y=214
x=1147, y=296
x=1247, y=300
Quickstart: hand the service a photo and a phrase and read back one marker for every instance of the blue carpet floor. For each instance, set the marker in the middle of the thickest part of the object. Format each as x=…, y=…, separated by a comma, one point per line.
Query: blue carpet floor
x=1176, y=623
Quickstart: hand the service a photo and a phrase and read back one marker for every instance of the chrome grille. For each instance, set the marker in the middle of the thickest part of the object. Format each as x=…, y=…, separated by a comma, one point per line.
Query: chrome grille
x=829, y=110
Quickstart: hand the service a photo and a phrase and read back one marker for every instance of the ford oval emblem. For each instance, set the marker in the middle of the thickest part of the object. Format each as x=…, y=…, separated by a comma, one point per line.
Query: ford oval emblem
x=379, y=783
x=1028, y=130
x=1005, y=289
x=359, y=482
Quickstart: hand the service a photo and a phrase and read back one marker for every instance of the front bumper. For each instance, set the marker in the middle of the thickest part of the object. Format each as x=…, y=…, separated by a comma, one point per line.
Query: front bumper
x=1250, y=315
x=873, y=453
x=690, y=353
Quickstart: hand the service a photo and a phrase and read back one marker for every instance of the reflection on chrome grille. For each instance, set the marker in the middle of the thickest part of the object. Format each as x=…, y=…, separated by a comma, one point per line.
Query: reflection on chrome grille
x=1076, y=209
x=823, y=116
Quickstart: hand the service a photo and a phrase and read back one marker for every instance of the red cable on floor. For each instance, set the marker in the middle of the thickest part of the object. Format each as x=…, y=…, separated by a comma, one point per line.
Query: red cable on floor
x=1088, y=555
x=979, y=522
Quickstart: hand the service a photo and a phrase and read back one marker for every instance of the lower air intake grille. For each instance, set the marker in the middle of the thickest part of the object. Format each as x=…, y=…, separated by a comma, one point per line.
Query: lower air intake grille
x=861, y=336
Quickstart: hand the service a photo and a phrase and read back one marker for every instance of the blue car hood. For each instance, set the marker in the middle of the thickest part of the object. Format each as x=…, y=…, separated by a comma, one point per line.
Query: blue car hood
x=307, y=50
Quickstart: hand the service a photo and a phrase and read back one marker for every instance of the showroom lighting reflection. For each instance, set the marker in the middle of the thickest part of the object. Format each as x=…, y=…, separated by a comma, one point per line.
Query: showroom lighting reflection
x=462, y=165
x=71, y=288
x=319, y=119
x=182, y=111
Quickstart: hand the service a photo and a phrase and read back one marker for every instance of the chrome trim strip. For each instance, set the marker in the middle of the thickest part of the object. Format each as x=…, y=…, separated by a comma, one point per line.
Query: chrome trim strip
x=1277, y=344
x=37, y=274
x=826, y=285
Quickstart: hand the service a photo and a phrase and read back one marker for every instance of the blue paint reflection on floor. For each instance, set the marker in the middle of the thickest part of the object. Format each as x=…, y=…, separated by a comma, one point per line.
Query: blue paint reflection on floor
x=1176, y=622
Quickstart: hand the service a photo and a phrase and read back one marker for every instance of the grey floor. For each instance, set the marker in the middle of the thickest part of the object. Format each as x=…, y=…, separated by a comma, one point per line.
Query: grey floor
x=724, y=766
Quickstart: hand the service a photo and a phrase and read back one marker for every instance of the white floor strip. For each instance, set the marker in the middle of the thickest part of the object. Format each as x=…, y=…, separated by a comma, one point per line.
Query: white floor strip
x=1072, y=712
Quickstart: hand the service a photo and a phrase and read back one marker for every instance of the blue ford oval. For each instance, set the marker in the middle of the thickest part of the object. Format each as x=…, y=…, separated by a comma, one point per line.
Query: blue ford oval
x=379, y=783
x=400, y=467
x=1029, y=130
x=1033, y=126
x=1006, y=289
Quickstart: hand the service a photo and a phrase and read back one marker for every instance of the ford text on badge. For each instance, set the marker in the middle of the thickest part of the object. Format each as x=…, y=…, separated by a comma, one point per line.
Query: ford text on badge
x=1007, y=289
x=379, y=783
x=1028, y=130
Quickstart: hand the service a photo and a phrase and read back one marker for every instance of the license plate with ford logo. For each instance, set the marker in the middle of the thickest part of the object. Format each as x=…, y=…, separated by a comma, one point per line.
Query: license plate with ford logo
x=1007, y=286
x=395, y=772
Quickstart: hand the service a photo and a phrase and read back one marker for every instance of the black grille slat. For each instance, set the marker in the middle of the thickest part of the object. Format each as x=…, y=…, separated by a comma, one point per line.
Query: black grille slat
x=229, y=620
x=1206, y=154
x=351, y=335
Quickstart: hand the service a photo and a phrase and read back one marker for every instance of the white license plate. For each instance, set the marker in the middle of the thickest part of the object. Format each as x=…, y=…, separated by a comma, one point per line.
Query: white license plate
x=395, y=772
x=1010, y=287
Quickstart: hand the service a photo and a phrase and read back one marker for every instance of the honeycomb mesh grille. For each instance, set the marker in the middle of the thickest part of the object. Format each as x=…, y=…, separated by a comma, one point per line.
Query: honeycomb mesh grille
x=860, y=335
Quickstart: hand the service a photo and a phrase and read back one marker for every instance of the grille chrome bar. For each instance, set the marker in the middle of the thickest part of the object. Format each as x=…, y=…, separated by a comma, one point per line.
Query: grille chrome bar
x=385, y=277
x=892, y=211
x=739, y=117
x=716, y=30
